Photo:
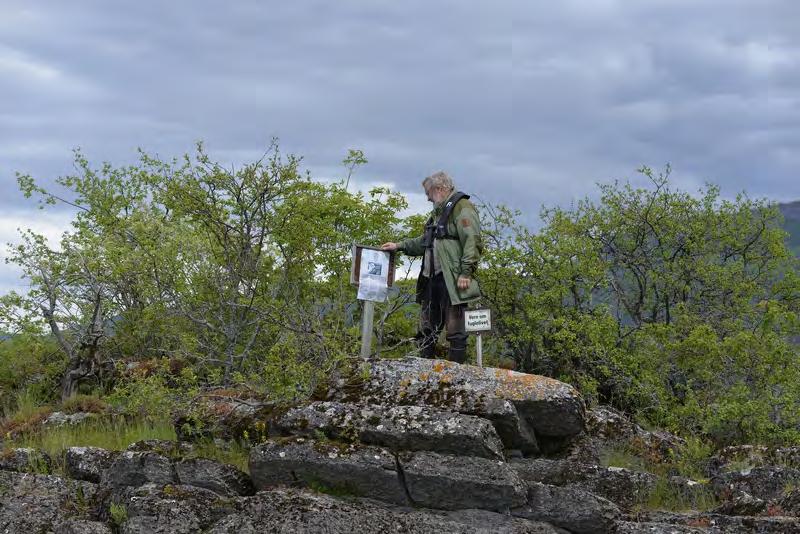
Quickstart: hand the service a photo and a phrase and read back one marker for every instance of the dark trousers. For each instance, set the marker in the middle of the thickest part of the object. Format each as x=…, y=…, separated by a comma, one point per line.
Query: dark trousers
x=437, y=312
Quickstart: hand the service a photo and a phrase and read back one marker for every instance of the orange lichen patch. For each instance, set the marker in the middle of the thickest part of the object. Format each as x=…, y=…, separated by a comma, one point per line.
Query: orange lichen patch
x=438, y=367
x=424, y=376
x=446, y=378
x=519, y=386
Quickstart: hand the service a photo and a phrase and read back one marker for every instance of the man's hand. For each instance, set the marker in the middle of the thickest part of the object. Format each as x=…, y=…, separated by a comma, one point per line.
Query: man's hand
x=389, y=246
x=463, y=282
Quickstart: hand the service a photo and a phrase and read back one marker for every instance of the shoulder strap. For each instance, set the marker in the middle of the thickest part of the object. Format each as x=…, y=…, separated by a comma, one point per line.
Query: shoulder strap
x=441, y=225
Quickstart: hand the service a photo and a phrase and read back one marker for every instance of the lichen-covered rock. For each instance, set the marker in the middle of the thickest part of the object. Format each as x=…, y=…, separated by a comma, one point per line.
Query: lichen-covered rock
x=81, y=526
x=529, y=411
x=571, y=508
x=220, y=478
x=172, y=509
x=766, y=483
x=344, y=469
x=288, y=510
x=423, y=478
x=608, y=428
x=25, y=460
x=746, y=457
x=410, y=428
x=623, y=487
x=789, y=504
x=61, y=418
x=724, y=524
x=164, y=447
x=741, y=504
x=31, y=503
x=630, y=527
x=609, y=424
x=137, y=469
x=459, y=482
x=87, y=463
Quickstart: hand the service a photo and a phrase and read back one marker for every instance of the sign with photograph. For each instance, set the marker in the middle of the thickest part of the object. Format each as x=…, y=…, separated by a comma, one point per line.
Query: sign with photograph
x=478, y=320
x=373, y=272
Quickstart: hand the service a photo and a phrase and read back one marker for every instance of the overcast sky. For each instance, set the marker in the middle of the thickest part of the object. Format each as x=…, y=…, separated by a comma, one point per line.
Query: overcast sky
x=525, y=103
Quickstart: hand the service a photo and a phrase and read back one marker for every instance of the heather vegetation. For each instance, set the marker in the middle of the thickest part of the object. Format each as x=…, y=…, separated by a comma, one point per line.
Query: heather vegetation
x=184, y=277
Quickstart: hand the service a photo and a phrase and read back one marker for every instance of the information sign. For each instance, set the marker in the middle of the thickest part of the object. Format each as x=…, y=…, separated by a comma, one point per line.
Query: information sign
x=478, y=320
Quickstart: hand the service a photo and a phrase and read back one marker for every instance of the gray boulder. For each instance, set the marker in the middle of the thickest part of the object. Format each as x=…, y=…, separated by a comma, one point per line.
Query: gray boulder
x=220, y=478
x=343, y=469
x=766, y=483
x=741, y=504
x=81, y=526
x=31, y=503
x=623, y=487
x=744, y=457
x=724, y=524
x=411, y=428
x=25, y=460
x=290, y=511
x=88, y=463
x=571, y=508
x=423, y=478
x=459, y=482
x=789, y=504
x=530, y=412
x=61, y=418
x=136, y=469
x=631, y=527
x=164, y=447
x=172, y=509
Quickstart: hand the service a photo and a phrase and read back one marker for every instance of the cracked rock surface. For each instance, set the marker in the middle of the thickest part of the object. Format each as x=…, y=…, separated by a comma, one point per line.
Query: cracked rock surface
x=410, y=428
x=530, y=412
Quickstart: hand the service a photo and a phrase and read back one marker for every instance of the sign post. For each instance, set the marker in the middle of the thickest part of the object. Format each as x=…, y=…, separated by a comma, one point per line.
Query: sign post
x=478, y=321
x=372, y=271
x=366, y=328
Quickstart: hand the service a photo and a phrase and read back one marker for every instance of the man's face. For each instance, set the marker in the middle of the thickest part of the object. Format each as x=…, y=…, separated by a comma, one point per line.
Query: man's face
x=434, y=194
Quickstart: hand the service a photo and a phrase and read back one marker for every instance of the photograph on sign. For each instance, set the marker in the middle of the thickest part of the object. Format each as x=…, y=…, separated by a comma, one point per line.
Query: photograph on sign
x=478, y=320
x=372, y=268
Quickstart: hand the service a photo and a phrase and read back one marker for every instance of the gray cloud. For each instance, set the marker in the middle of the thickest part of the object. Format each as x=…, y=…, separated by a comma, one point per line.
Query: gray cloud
x=524, y=103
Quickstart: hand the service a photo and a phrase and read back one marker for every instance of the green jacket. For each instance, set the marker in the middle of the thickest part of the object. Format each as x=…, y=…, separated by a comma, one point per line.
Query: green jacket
x=457, y=256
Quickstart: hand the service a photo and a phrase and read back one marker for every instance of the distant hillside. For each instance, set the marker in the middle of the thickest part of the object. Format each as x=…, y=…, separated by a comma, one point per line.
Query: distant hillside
x=791, y=215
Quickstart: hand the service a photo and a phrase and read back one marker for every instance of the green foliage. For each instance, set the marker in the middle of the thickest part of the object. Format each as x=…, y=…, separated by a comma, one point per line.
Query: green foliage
x=228, y=270
x=680, y=309
x=151, y=392
x=181, y=275
x=667, y=495
x=118, y=513
x=30, y=365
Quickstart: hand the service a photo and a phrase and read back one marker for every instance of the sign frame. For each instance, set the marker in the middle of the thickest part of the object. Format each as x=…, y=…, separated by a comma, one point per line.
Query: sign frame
x=355, y=267
x=478, y=331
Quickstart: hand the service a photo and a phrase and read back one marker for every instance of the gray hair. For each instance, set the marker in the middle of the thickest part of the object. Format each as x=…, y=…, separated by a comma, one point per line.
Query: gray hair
x=439, y=179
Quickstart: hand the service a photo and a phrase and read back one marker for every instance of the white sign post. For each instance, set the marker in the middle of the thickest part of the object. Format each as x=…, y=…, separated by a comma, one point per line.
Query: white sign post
x=373, y=272
x=478, y=321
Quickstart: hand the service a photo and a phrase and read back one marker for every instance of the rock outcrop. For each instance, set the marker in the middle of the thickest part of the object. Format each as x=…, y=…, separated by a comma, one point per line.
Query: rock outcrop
x=531, y=413
x=412, y=446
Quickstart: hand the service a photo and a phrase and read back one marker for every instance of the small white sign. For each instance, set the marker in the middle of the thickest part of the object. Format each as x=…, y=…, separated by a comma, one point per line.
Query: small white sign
x=478, y=320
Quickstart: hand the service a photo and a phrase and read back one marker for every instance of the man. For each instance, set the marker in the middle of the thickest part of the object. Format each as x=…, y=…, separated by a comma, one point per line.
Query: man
x=451, y=248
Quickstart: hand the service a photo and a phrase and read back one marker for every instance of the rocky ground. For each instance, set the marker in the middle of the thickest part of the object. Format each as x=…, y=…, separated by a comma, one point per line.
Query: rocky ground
x=412, y=446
